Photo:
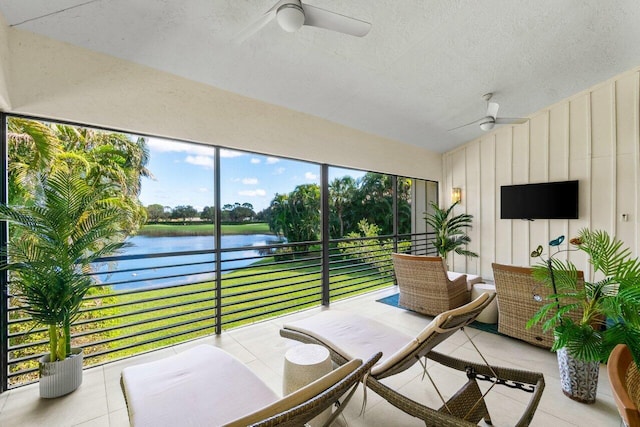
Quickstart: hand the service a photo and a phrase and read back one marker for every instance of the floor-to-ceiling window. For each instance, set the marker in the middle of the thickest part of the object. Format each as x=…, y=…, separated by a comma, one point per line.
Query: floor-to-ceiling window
x=220, y=238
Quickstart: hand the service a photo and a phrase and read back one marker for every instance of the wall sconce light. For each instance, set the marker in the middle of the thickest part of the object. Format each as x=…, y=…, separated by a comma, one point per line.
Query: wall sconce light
x=456, y=194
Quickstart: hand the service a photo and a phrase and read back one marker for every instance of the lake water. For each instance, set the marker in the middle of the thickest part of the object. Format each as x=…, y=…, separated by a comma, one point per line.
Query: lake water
x=160, y=271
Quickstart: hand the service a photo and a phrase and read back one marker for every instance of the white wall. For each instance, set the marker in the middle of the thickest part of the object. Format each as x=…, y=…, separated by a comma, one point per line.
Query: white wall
x=51, y=79
x=592, y=137
x=5, y=103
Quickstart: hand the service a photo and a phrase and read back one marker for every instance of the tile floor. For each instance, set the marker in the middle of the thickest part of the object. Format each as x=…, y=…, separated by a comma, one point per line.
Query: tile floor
x=99, y=402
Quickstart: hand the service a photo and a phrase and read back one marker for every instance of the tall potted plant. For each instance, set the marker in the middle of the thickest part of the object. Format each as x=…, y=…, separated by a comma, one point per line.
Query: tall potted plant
x=54, y=239
x=449, y=231
x=609, y=307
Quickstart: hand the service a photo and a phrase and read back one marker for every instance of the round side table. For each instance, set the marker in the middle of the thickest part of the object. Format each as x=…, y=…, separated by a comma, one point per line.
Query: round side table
x=304, y=364
x=489, y=314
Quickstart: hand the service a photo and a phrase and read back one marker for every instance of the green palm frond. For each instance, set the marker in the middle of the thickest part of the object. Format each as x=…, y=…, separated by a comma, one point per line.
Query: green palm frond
x=71, y=225
x=610, y=305
x=449, y=230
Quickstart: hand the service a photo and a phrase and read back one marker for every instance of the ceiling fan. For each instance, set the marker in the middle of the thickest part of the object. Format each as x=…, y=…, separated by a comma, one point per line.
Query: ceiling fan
x=293, y=14
x=491, y=118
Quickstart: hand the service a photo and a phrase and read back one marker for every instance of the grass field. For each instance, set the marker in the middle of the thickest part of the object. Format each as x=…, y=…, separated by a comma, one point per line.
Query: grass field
x=179, y=229
x=189, y=312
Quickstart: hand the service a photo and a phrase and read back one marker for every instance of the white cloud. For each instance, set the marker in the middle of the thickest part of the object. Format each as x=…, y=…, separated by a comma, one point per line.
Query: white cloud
x=203, y=190
x=255, y=160
x=169, y=146
x=252, y=193
x=310, y=176
x=204, y=161
x=229, y=153
x=272, y=160
x=249, y=181
x=279, y=171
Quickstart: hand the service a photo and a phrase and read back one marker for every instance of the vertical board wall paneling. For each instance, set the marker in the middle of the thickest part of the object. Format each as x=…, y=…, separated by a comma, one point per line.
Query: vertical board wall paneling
x=538, y=172
x=520, y=175
x=471, y=204
x=592, y=137
x=626, y=183
x=580, y=165
x=603, y=194
x=502, y=169
x=458, y=179
x=559, y=159
x=486, y=222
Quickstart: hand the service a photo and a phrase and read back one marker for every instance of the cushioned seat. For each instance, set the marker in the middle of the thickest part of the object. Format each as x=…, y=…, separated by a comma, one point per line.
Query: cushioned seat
x=205, y=386
x=348, y=336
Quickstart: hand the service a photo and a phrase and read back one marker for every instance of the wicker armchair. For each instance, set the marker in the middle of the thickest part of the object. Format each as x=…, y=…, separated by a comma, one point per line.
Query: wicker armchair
x=425, y=286
x=515, y=289
x=625, y=384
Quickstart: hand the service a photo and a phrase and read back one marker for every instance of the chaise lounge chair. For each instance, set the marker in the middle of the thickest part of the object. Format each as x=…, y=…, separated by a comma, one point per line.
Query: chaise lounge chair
x=348, y=336
x=205, y=386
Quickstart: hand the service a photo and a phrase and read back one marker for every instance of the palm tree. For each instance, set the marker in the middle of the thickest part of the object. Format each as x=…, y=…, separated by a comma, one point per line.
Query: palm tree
x=341, y=192
x=449, y=231
x=54, y=240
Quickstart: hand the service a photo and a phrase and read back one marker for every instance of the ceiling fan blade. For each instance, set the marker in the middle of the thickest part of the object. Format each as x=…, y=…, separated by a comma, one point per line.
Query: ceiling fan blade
x=492, y=109
x=510, y=120
x=257, y=25
x=316, y=17
x=468, y=124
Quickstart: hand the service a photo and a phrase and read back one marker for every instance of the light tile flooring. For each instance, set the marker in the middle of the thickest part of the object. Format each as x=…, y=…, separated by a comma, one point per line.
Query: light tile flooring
x=99, y=402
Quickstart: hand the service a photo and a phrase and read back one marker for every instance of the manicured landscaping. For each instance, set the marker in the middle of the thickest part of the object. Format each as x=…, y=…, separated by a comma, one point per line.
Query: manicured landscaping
x=244, y=301
x=202, y=229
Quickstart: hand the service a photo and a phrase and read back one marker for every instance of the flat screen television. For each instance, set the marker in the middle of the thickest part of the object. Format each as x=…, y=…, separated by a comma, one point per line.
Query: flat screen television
x=548, y=200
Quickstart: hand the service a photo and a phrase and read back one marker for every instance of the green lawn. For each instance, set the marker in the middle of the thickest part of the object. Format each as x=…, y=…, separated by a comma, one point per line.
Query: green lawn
x=244, y=301
x=179, y=229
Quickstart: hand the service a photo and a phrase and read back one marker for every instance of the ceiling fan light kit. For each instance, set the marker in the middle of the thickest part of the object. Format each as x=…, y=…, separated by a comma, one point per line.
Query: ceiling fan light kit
x=293, y=14
x=290, y=17
x=491, y=118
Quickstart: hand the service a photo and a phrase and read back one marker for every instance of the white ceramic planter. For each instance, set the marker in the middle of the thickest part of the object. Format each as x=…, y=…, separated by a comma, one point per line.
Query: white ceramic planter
x=579, y=380
x=61, y=377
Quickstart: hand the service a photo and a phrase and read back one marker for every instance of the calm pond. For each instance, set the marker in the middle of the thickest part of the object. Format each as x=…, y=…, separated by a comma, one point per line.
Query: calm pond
x=173, y=270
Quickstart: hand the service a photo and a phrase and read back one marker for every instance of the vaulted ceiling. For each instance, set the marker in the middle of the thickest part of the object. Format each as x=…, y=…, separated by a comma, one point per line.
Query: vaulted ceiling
x=421, y=70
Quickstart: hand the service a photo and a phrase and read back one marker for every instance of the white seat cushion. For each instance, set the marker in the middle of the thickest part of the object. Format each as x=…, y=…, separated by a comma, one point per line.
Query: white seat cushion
x=354, y=336
x=203, y=386
x=471, y=278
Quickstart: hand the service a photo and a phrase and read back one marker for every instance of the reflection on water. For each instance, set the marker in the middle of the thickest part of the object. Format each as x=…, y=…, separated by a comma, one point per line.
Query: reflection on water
x=174, y=270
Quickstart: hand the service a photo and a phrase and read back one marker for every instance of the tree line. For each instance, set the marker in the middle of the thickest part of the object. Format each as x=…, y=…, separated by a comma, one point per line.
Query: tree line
x=233, y=213
x=296, y=215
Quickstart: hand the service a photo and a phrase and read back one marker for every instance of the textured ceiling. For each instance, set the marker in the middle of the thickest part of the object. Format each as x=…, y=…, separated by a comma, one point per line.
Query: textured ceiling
x=421, y=70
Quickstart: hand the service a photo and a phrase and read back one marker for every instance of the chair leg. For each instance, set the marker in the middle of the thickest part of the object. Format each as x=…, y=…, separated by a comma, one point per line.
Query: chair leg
x=468, y=404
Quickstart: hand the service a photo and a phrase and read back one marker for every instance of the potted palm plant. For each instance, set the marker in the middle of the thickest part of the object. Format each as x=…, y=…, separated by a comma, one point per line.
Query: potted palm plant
x=608, y=309
x=449, y=231
x=54, y=240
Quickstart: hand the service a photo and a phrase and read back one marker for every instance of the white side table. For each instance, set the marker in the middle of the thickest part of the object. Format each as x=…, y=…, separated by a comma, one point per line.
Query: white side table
x=489, y=314
x=304, y=364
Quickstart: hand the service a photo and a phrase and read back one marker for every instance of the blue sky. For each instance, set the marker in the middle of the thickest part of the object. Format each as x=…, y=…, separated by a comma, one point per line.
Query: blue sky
x=184, y=175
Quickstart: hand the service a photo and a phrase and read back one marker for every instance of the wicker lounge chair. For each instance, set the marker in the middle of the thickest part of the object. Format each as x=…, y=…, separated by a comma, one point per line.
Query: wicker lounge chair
x=624, y=377
x=348, y=336
x=426, y=287
x=205, y=386
x=515, y=289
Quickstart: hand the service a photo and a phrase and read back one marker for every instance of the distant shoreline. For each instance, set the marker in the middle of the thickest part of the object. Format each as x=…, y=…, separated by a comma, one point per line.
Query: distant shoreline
x=179, y=229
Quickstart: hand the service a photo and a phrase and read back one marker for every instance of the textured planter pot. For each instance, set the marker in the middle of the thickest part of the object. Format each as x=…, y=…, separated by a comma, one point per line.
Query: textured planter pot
x=579, y=379
x=61, y=377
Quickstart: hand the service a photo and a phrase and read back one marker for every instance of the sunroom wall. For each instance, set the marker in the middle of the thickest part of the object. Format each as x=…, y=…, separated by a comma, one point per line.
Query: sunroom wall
x=5, y=104
x=51, y=79
x=592, y=137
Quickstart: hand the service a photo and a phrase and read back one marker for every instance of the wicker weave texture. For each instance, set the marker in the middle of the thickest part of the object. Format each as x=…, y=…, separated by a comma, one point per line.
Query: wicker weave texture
x=467, y=406
x=424, y=286
x=516, y=288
